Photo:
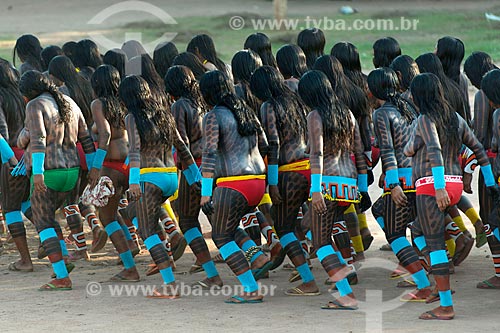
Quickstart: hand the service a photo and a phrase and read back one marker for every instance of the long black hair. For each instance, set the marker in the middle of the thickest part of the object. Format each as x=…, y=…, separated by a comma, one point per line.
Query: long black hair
x=205, y=47
x=154, y=122
x=133, y=48
x=48, y=53
x=33, y=83
x=70, y=49
x=428, y=95
x=163, y=56
x=490, y=85
x=451, y=52
x=191, y=61
x=105, y=82
x=317, y=93
x=269, y=86
x=87, y=54
x=261, y=44
x=291, y=61
x=383, y=83
x=116, y=58
x=243, y=65
x=312, y=42
x=345, y=90
x=11, y=100
x=143, y=65
x=476, y=65
x=28, y=50
x=181, y=83
x=430, y=63
x=406, y=68
x=384, y=51
x=348, y=56
x=80, y=89
x=217, y=90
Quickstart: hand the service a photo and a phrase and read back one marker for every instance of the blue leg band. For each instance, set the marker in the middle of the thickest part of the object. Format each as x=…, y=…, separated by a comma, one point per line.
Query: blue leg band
x=112, y=227
x=125, y=230
x=399, y=243
x=135, y=222
x=64, y=248
x=248, y=244
x=421, y=279
x=381, y=222
x=152, y=241
x=445, y=298
x=420, y=242
x=210, y=269
x=248, y=281
x=287, y=239
x=438, y=257
x=343, y=287
x=228, y=249
x=192, y=234
x=305, y=273
x=25, y=206
x=167, y=275
x=46, y=234
x=325, y=251
x=496, y=232
x=60, y=269
x=309, y=235
x=13, y=217
x=127, y=259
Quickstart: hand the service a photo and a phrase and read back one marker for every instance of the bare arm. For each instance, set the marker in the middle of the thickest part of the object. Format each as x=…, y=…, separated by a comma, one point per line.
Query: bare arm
x=134, y=140
x=180, y=111
x=102, y=124
x=211, y=136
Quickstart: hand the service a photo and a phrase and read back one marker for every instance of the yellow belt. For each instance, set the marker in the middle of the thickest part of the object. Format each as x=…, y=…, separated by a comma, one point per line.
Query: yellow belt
x=296, y=166
x=151, y=170
x=236, y=178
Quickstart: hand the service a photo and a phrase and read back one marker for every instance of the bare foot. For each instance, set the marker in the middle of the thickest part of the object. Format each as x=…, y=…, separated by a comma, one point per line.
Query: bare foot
x=21, y=266
x=304, y=289
x=167, y=291
x=439, y=313
x=347, y=302
x=260, y=261
x=127, y=275
x=492, y=283
x=78, y=255
x=209, y=283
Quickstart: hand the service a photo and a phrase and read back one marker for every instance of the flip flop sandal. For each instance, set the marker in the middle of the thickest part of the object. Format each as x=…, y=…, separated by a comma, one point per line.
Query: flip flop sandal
x=205, y=286
x=412, y=298
x=406, y=284
x=12, y=267
x=486, y=285
x=259, y=273
x=338, y=306
x=299, y=292
x=195, y=269
x=432, y=316
x=157, y=294
x=152, y=270
x=240, y=300
x=398, y=274
x=178, y=251
x=434, y=297
x=99, y=242
x=460, y=256
x=218, y=259
x=120, y=278
x=481, y=239
x=69, y=267
x=288, y=267
x=294, y=277
x=53, y=287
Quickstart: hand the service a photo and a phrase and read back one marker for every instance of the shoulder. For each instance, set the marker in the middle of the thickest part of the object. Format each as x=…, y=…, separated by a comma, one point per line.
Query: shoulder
x=181, y=104
x=96, y=104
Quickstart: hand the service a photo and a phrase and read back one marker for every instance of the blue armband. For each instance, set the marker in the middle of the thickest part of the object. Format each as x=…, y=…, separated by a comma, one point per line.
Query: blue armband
x=99, y=157
x=6, y=151
x=438, y=174
x=272, y=174
x=489, y=179
x=315, y=182
x=192, y=174
x=391, y=177
x=207, y=185
x=89, y=160
x=37, y=162
x=134, y=176
x=363, y=182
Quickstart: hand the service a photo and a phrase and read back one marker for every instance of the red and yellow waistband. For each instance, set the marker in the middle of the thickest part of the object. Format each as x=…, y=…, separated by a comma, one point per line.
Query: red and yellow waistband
x=239, y=178
x=430, y=180
x=301, y=165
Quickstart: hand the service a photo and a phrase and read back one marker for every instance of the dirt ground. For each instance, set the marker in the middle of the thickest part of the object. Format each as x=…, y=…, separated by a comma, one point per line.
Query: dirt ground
x=23, y=308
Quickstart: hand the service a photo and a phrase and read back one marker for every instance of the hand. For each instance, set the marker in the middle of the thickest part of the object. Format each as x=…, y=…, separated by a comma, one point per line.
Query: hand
x=275, y=194
x=399, y=197
x=467, y=180
x=371, y=178
x=39, y=182
x=206, y=205
x=381, y=180
x=93, y=177
x=318, y=203
x=134, y=192
x=442, y=199
x=366, y=202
